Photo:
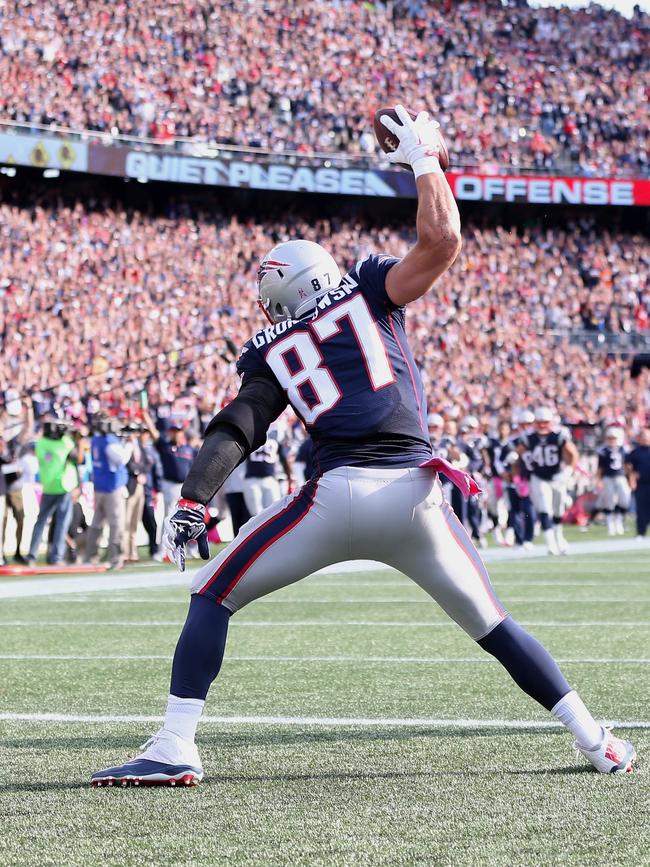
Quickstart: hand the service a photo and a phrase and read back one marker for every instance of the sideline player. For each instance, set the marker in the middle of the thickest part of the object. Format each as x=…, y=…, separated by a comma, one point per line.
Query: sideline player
x=498, y=456
x=615, y=495
x=261, y=486
x=550, y=456
x=337, y=352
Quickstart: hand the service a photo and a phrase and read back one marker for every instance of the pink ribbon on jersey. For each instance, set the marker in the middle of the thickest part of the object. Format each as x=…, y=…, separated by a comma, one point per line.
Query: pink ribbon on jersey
x=463, y=481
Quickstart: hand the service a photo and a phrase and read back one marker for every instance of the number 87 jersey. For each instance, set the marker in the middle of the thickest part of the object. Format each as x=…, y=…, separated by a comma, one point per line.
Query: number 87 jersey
x=349, y=374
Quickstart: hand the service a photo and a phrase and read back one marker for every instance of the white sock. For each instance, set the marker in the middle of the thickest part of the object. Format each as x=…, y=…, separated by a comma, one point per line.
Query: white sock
x=611, y=523
x=183, y=715
x=549, y=538
x=571, y=712
x=559, y=534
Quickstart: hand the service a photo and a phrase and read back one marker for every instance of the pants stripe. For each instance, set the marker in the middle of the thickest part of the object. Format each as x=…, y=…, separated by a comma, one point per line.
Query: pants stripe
x=464, y=542
x=222, y=582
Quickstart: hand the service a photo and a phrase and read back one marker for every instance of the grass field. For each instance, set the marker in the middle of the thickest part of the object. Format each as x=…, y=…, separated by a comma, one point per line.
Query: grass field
x=363, y=727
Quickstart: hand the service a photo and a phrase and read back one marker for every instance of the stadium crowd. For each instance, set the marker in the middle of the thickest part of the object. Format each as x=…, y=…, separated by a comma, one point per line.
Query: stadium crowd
x=573, y=93
x=99, y=303
x=111, y=316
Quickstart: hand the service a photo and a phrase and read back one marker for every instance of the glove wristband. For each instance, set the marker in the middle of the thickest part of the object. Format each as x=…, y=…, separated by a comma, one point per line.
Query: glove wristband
x=426, y=166
x=190, y=504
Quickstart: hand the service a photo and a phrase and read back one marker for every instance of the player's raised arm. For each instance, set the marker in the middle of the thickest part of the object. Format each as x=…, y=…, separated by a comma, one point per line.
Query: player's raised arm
x=438, y=221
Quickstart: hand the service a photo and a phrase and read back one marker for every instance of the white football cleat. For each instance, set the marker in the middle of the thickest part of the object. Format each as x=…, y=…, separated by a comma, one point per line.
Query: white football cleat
x=167, y=760
x=613, y=756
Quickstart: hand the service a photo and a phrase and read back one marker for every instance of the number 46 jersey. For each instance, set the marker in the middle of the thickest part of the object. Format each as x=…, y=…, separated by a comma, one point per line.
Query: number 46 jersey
x=349, y=374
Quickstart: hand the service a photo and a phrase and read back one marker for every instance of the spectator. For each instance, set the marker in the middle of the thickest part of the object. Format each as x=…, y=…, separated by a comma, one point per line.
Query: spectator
x=57, y=456
x=110, y=476
x=572, y=94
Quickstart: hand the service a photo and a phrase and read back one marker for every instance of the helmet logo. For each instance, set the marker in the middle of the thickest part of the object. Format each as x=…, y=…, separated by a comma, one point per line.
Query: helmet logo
x=271, y=265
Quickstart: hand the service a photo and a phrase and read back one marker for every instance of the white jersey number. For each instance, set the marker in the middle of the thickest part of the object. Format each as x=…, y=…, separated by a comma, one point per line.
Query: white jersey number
x=546, y=456
x=312, y=368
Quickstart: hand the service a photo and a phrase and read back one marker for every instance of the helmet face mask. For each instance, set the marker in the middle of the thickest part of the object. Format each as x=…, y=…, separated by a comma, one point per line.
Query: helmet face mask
x=292, y=277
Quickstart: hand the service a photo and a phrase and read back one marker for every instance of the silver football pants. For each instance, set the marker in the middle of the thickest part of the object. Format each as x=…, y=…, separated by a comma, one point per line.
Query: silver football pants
x=396, y=516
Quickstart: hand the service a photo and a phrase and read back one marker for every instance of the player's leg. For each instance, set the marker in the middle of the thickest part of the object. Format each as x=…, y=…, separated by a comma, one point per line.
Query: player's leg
x=270, y=491
x=293, y=538
x=622, y=503
x=252, y=491
x=439, y=555
x=606, y=502
x=560, y=500
x=542, y=496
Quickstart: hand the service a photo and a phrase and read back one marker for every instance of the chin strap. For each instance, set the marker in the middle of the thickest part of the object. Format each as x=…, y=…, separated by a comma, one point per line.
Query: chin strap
x=463, y=481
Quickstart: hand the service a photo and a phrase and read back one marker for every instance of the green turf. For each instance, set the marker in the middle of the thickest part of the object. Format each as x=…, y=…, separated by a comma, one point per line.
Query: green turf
x=355, y=646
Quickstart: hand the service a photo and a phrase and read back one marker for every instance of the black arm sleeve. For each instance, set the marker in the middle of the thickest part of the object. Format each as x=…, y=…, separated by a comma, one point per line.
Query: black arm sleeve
x=232, y=435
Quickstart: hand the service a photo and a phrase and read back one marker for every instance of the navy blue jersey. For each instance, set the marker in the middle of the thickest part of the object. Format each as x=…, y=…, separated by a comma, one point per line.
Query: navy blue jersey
x=611, y=460
x=263, y=462
x=473, y=449
x=639, y=459
x=499, y=456
x=349, y=374
x=442, y=446
x=543, y=454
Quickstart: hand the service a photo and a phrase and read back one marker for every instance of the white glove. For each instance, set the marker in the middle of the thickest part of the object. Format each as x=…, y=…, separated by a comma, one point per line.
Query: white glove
x=419, y=142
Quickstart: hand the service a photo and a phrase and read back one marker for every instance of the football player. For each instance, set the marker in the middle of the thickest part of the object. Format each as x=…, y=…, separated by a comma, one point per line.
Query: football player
x=615, y=495
x=497, y=460
x=550, y=457
x=336, y=350
x=261, y=486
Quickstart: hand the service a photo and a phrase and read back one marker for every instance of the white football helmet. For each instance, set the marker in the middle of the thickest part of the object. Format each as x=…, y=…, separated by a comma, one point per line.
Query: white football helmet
x=292, y=277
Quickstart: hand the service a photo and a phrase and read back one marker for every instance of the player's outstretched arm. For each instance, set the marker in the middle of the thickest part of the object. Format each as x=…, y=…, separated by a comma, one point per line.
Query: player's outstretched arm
x=438, y=221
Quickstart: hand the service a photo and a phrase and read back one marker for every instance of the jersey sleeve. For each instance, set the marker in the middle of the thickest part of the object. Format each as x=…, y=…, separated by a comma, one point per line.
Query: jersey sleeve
x=371, y=275
x=251, y=363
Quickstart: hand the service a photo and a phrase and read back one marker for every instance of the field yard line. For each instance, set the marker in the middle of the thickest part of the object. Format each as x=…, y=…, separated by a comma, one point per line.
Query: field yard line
x=393, y=660
x=281, y=599
x=167, y=578
x=7, y=716
x=328, y=623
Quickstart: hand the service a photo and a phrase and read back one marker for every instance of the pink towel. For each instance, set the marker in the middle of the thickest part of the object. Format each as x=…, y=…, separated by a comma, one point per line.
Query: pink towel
x=463, y=481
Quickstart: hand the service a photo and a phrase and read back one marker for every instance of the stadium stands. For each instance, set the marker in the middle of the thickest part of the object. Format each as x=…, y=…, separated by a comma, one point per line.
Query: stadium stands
x=572, y=96
x=98, y=287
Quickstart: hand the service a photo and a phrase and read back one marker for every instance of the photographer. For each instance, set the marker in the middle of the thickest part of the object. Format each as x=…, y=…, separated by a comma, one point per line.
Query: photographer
x=110, y=476
x=137, y=467
x=57, y=455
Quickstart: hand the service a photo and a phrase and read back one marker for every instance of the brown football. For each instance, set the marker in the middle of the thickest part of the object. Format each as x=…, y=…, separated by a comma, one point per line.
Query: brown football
x=387, y=141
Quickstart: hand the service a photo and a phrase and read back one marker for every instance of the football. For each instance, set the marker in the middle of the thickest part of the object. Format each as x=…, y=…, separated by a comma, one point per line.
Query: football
x=388, y=144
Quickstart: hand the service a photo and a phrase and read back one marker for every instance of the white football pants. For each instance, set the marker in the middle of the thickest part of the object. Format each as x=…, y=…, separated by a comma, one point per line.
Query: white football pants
x=259, y=493
x=615, y=492
x=550, y=496
x=396, y=516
